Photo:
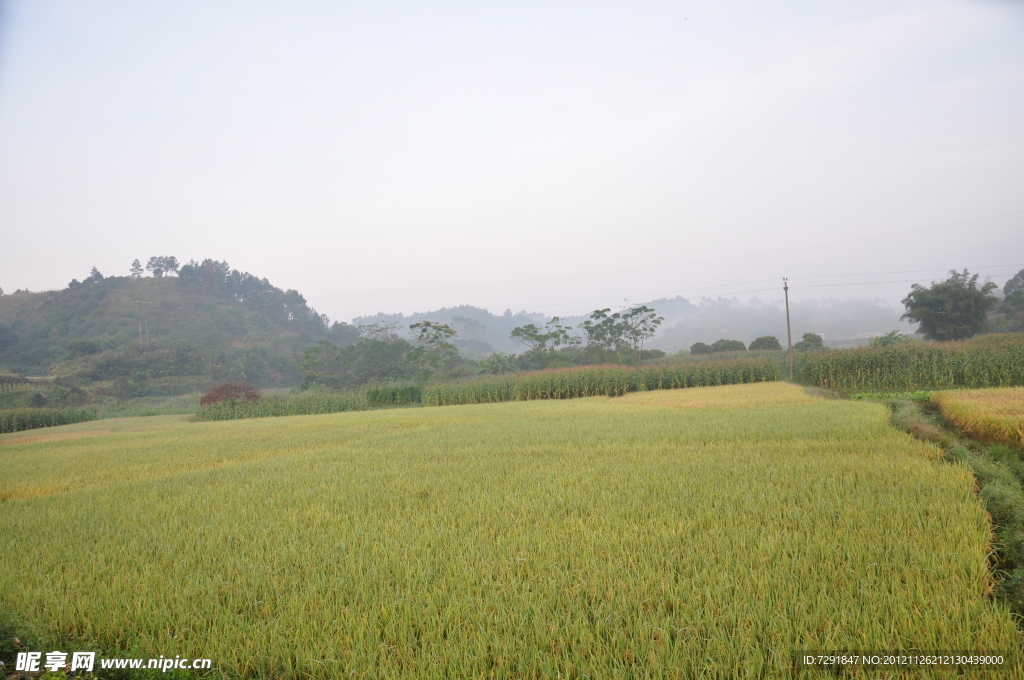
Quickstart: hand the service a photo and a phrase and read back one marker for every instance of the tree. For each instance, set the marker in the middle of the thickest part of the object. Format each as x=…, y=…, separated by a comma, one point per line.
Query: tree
x=136, y=270
x=890, y=338
x=810, y=343
x=603, y=330
x=162, y=264
x=547, y=339
x=638, y=325
x=724, y=345
x=322, y=364
x=1014, y=284
x=701, y=348
x=496, y=363
x=378, y=331
x=95, y=275
x=433, y=353
x=952, y=309
x=765, y=342
x=1013, y=304
x=156, y=266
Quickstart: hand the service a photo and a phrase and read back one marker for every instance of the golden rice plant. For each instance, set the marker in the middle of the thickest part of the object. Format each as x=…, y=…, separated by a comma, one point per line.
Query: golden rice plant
x=585, y=538
x=988, y=414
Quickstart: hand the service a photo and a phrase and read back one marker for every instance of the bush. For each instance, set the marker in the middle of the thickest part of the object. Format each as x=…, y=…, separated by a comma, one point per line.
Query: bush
x=811, y=342
x=233, y=391
x=724, y=345
x=766, y=342
x=701, y=348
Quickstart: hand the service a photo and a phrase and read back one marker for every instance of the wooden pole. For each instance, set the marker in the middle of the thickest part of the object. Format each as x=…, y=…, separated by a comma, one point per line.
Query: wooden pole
x=789, y=329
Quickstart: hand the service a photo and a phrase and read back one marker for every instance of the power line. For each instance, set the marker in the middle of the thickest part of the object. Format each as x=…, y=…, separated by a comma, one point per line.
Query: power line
x=722, y=293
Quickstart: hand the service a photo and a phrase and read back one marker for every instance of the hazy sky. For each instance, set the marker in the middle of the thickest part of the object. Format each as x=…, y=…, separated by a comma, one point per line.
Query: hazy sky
x=548, y=156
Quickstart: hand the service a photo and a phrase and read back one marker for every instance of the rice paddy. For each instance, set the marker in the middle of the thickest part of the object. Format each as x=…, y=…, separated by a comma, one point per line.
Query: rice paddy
x=992, y=415
x=700, y=533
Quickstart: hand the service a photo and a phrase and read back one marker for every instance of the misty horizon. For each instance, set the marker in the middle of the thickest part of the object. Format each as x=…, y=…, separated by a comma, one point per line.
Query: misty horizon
x=554, y=158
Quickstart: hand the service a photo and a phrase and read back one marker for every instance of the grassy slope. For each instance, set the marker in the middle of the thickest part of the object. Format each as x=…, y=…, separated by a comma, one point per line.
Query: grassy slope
x=696, y=533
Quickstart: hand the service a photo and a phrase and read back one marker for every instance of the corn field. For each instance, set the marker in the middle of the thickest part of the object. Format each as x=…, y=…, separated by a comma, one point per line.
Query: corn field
x=16, y=420
x=12, y=383
x=394, y=396
x=991, y=361
x=230, y=409
x=603, y=381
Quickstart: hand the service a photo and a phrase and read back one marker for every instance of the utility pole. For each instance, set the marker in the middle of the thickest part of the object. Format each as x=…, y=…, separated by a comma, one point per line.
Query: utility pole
x=143, y=321
x=138, y=315
x=789, y=329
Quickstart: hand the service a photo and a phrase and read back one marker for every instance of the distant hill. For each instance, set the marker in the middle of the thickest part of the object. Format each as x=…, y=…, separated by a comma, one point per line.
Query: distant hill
x=208, y=321
x=840, y=322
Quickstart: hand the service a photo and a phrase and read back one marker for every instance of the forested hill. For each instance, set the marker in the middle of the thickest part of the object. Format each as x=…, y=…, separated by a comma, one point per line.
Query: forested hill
x=208, y=321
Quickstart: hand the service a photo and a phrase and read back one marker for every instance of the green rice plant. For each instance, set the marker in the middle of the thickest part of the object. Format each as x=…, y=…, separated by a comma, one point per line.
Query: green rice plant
x=612, y=380
x=990, y=361
x=630, y=537
x=294, y=405
x=15, y=420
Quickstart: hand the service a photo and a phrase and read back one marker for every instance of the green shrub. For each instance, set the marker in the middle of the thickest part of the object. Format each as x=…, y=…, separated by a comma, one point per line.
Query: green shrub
x=724, y=345
x=765, y=342
x=701, y=348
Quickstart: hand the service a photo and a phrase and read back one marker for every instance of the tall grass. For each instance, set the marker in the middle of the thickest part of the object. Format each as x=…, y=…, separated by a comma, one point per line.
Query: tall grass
x=569, y=383
x=542, y=539
x=995, y=415
x=16, y=420
x=990, y=361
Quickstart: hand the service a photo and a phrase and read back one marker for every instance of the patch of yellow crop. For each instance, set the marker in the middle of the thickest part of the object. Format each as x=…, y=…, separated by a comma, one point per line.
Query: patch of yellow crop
x=991, y=414
x=573, y=538
x=753, y=395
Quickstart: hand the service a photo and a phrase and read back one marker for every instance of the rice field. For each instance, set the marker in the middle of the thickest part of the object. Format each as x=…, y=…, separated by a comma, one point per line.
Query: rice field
x=992, y=415
x=699, y=533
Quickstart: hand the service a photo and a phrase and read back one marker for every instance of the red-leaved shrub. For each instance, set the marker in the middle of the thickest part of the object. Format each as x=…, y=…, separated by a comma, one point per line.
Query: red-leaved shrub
x=236, y=391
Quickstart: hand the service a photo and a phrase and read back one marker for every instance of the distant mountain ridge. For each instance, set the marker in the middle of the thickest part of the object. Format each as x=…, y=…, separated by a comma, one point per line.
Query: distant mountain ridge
x=840, y=322
x=222, y=323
